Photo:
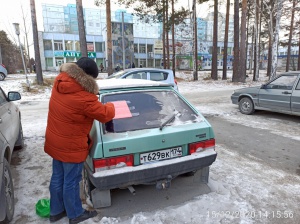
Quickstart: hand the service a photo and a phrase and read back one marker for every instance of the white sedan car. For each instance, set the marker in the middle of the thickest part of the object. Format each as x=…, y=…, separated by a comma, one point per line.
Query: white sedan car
x=154, y=74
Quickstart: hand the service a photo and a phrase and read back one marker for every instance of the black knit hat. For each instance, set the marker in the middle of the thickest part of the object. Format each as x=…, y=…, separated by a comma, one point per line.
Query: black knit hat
x=89, y=66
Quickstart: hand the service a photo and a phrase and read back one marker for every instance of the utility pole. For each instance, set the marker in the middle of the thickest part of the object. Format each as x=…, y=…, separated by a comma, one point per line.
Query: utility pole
x=123, y=41
x=195, y=72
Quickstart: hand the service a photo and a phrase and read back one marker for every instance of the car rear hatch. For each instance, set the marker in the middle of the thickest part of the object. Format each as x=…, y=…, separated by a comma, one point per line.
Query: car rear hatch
x=151, y=125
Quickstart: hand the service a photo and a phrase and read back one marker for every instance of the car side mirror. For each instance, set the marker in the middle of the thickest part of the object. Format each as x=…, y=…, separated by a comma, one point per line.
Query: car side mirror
x=12, y=96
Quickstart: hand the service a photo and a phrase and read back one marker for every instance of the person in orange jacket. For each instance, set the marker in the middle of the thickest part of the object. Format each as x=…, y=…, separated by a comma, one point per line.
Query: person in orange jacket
x=73, y=106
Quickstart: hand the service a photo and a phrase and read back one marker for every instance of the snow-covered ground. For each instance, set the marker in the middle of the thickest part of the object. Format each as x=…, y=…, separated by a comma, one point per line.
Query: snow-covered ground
x=242, y=190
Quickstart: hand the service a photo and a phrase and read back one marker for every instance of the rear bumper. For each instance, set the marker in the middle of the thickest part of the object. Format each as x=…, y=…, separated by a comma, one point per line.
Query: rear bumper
x=123, y=177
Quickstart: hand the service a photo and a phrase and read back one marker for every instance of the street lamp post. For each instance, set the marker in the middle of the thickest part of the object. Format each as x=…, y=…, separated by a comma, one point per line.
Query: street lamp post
x=17, y=30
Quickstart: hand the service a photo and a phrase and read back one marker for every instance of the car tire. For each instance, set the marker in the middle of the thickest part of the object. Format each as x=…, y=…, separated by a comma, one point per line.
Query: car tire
x=20, y=141
x=9, y=193
x=2, y=76
x=246, y=106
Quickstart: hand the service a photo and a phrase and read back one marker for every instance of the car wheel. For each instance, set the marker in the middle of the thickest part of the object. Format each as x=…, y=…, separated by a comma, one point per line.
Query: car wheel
x=20, y=141
x=9, y=193
x=246, y=106
x=2, y=76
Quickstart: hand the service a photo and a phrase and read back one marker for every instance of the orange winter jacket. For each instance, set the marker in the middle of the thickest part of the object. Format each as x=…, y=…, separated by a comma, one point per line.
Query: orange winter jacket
x=72, y=108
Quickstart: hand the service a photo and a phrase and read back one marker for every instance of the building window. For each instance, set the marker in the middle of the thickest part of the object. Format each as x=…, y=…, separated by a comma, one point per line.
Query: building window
x=135, y=48
x=69, y=45
x=49, y=62
x=77, y=46
x=58, y=45
x=142, y=48
x=99, y=47
x=149, y=48
x=47, y=44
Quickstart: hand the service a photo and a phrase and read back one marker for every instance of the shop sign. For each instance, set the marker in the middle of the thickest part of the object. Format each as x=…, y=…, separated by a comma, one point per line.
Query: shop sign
x=158, y=47
x=92, y=54
x=72, y=54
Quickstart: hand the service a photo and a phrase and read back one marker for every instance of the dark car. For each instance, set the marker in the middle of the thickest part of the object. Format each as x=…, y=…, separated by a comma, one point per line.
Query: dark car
x=155, y=136
x=281, y=94
x=11, y=137
x=3, y=72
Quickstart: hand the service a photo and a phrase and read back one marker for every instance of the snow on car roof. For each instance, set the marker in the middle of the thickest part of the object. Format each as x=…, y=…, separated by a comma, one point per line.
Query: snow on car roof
x=126, y=83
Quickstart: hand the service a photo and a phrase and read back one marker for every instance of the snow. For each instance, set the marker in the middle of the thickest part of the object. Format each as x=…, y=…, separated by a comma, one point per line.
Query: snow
x=242, y=190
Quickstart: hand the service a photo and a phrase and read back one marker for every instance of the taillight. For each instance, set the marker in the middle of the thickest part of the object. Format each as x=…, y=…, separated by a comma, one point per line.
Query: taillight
x=113, y=162
x=175, y=81
x=3, y=65
x=201, y=146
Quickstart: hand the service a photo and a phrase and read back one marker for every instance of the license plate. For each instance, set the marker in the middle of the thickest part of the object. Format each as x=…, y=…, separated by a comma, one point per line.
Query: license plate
x=160, y=155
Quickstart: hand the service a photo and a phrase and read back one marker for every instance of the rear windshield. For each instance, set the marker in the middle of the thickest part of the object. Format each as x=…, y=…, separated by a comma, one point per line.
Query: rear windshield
x=148, y=109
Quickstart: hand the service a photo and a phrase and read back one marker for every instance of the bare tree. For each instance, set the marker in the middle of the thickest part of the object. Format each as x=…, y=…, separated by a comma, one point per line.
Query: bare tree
x=236, y=59
x=243, y=52
x=81, y=29
x=109, y=38
x=38, y=64
x=173, y=39
x=26, y=38
x=275, y=39
x=256, y=41
x=290, y=37
x=195, y=69
x=224, y=76
x=214, y=66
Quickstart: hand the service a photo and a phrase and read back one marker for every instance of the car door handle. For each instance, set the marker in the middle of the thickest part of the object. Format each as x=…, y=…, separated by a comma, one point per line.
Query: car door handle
x=286, y=92
x=9, y=111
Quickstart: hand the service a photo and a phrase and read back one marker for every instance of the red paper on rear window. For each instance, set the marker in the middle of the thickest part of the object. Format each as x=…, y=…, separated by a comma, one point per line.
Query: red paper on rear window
x=121, y=109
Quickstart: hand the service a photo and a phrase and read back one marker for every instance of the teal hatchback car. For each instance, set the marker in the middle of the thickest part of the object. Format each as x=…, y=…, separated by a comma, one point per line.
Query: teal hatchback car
x=155, y=136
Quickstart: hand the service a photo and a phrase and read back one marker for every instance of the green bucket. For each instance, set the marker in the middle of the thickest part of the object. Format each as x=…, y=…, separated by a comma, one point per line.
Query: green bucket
x=42, y=208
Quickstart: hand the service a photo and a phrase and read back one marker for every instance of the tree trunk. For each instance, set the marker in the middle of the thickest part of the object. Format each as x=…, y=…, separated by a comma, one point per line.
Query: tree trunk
x=276, y=39
x=38, y=64
x=256, y=50
x=173, y=40
x=195, y=42
x=164, y=34
x=224, y=76
x=299, y=54
x=214, y=66
x=81, y=29
x=243, y=52
x=167, y=35
x=290, y=38
x=108, y=38
x=251, y=51
x=271, y=31
x=236, y=61
x=259, y=14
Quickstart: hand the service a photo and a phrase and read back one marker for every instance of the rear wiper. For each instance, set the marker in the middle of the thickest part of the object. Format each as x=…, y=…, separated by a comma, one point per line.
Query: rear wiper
x=168, y=121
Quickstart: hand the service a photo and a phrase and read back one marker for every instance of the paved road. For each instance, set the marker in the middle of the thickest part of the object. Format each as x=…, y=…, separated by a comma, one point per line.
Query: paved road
x=274, y=146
